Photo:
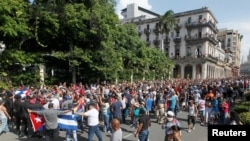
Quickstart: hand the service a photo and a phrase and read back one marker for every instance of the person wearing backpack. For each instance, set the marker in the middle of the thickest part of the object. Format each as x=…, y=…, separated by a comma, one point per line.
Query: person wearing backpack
x=170, y=121
x=136, y=113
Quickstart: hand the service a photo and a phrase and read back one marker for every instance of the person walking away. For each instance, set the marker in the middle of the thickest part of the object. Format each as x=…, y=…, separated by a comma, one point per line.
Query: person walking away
x=201, y=108
x=143, y=128
x=105, y=108
x=192, y=113
x=169, y=121
x=93, y=122
x=225, y=109
x=51, y=124
x=71, y=132
x=136, y=114
x=116, y=109
x=4, y=116
x=117, y=131
x=160, y=111
x=149, y=104
x=215, y=109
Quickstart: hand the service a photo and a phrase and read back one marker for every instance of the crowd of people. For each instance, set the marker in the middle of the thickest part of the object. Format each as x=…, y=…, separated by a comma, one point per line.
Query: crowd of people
x=136, y=104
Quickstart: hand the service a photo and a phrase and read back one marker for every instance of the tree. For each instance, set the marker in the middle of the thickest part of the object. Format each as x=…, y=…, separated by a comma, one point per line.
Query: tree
x=167, y=22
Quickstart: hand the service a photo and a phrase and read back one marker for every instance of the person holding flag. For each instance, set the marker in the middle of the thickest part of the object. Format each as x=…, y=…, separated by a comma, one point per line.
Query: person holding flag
x=50, y=116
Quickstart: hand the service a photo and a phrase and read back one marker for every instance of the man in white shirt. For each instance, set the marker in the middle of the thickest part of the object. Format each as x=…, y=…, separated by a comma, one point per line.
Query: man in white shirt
x=201, y=107
x=93, y=122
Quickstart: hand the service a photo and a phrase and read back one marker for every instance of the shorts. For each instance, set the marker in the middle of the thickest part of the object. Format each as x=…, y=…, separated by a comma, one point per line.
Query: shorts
x=202, y=113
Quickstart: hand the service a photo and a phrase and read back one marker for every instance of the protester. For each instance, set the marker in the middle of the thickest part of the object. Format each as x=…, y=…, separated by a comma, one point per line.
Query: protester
x=93, y=122
x=117, y=132
x=4, y=116
x=169, y=121
x=143, y=127
x=51, y=124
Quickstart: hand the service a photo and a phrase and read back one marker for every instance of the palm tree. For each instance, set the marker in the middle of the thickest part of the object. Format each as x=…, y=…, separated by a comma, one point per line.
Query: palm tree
x=167, y=22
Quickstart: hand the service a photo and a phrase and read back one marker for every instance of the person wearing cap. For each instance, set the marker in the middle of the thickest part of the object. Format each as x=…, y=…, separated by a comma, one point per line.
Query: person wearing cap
x=169, y=121
x=93, y=122
x=4, y=116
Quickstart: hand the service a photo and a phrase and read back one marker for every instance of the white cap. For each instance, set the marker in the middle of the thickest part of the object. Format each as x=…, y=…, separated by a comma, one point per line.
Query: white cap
x=170, y=113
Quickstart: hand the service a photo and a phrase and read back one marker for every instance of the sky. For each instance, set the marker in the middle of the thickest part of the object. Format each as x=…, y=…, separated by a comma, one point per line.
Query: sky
x=231, y=14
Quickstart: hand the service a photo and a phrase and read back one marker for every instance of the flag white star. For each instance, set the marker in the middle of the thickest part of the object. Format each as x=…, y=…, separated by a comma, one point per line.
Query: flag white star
x=38, y=119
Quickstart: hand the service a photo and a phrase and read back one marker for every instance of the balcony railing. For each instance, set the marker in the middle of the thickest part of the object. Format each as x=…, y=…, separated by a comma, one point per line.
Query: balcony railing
x=156, y=41
x=202, y=23
x=147, y=31
x=177, y=39
x=166, y=40
x=148, y=43
x=156, y=30
x=202, y=38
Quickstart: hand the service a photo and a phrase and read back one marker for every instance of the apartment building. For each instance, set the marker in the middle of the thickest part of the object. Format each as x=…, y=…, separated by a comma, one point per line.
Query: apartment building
x=192, y=44
x=231, y=40
x=245, y=67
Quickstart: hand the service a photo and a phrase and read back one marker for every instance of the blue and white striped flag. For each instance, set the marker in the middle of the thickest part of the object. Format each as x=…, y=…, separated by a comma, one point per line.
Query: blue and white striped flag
x=67, y=121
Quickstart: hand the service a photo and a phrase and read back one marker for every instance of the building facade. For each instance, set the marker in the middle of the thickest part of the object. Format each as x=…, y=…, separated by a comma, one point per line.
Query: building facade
x=192, y=44
x=245, y=67
x=231, y=40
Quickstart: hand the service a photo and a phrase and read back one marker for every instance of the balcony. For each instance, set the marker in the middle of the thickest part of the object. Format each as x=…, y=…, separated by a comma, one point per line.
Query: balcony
x=177, y=39
x=156, y=42
x=139, y=33
x=156, y=30
x=177, y=27
x=166, y=41
x=200, y=39
x=147, y=31
x=202, y=23
x=148, y=43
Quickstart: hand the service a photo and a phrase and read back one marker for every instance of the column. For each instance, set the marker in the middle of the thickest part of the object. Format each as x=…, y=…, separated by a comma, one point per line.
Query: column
x=182, y=70
x=204, y=71
x=194, y=72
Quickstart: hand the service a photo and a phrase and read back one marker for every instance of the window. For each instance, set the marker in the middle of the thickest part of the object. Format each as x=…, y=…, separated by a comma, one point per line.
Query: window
x=172, y=34
x=178, y=34
x=157, y=25
x=147, y=26
x=147, y=39
x=189, y=19
x=200, y=18
x=189, y=53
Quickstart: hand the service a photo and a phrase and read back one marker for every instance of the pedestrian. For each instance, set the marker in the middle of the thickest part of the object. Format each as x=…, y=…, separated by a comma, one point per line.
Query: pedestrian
x=4, y=116
x=169, y=121
x=51, y=121
x=93, y=122
x=192, y=114
x=117, y=132
x=143, y=127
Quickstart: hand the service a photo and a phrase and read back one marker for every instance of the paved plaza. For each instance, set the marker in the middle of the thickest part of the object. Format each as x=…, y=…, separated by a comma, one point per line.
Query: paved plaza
x=156, y=133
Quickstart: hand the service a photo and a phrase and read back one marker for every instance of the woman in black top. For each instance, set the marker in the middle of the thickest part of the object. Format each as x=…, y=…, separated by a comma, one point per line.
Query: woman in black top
x=142, y=130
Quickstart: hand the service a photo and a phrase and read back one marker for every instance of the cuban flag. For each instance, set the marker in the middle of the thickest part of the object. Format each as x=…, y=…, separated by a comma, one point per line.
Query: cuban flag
x=23, y=93
x=68, y=121
x=38, y=122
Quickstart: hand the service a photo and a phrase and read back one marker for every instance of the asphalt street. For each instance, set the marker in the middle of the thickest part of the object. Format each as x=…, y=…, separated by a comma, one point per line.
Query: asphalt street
x=156, y=133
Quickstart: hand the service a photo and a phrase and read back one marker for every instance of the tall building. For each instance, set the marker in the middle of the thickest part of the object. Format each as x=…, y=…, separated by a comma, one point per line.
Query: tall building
x=192, y=44
x=231, y=40
x=245, y=67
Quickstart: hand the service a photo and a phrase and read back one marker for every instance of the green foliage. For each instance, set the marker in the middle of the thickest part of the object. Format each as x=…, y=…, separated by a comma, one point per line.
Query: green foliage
x=241, y=108
x=77, y=39
x=247, y=96
x=246, y=103
x=245, y=118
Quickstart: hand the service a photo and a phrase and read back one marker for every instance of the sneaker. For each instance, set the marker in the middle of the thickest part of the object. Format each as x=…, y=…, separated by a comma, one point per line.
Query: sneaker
x=189, y=130
x=193, y=128
x=131, y=125
x=202, y=124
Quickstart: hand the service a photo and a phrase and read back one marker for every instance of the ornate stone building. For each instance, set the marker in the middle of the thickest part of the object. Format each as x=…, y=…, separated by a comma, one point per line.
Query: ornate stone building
x=245, y=67
x=193, y=44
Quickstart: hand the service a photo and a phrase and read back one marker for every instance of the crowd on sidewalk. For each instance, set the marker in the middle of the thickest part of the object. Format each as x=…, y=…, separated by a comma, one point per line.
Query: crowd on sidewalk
x=206, y=100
